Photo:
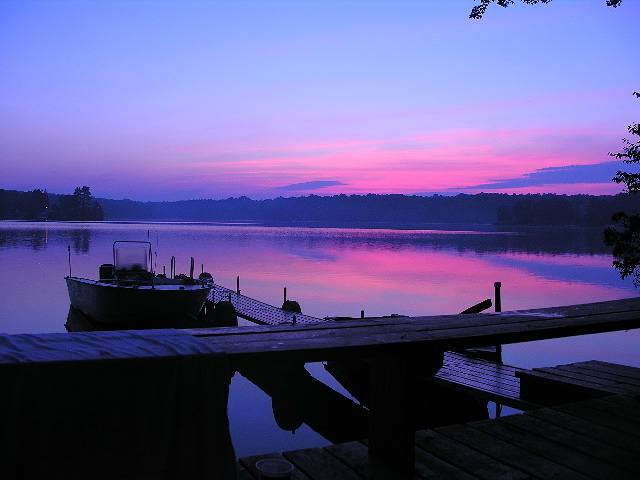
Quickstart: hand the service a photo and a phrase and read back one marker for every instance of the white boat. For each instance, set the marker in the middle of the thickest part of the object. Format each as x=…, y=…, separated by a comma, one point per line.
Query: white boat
x=128, y=293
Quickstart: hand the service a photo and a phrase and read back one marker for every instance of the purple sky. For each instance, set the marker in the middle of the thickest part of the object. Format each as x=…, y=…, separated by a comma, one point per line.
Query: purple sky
x=174, y=100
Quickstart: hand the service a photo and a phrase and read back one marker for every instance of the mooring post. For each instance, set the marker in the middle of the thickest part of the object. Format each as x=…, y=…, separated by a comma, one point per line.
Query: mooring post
x=498, y=308
x=361, y=313
x=238, y=284
x=285, y=295
x=391, y=433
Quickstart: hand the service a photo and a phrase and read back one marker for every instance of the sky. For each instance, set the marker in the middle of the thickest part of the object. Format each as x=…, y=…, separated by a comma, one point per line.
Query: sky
x=167, y=100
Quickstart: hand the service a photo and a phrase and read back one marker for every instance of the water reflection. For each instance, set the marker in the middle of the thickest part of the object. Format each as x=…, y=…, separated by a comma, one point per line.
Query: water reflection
x=331, y=272
x=334, y=272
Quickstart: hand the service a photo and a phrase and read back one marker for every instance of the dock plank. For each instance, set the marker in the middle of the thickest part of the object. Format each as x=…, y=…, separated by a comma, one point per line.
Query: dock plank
x=471, y=461
x=583, y=443
x=510, y=454
x=622, y=370
x=599, y=417
x=249, y=463
x=430, y=467
x=243, y=473
x=603, y=433
x=569, y=457
x=595, y=382
x=319, y=465
x=318, y=342
x=601, y=375
x=353, y=454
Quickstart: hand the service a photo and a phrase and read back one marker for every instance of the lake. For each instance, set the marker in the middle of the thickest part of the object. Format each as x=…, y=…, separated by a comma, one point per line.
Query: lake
x=332, y=271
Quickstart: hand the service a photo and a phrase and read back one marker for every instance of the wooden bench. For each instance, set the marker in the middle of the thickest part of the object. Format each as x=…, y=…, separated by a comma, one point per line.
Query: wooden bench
x=489, y=380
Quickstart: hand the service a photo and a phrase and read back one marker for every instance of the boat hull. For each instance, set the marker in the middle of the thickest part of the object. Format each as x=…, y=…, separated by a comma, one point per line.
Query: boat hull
x=142, y=306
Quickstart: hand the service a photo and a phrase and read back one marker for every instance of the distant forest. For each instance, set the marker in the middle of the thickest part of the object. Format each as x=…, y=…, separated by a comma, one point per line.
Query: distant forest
x=40, y=205
x=337, y=210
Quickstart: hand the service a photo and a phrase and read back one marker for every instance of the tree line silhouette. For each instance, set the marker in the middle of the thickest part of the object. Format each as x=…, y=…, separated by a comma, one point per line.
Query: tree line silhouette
x=40, y=205
x=372, y=209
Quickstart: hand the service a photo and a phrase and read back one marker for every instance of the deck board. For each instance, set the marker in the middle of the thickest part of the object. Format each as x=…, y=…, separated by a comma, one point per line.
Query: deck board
x=607, y=435
x=569, y=457
x=508, y=453
x=615, y=422
x=315, y=463
x=469, y=460
x=548, y=443
x=583, y=443
x=598, y=375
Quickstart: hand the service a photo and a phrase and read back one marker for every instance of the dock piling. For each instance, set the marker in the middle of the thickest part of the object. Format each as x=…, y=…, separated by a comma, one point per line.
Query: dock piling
x=361, y=313
x=238, y=284
x=285, y=295
x=498, y=308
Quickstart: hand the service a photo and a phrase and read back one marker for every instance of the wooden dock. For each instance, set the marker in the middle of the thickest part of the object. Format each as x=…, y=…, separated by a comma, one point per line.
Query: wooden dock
x=393, y=346
x=593, y=439
x=258, y=312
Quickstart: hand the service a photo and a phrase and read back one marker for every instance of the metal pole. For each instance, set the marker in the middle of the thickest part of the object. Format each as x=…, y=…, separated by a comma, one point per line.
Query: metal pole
x=69, y=251
x=498, y=308
x=191, y=267
x=238, y=284
x=285, y=295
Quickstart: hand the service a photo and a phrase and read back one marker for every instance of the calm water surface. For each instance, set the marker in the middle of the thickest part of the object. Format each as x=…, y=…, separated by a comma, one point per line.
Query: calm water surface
x=331, y=272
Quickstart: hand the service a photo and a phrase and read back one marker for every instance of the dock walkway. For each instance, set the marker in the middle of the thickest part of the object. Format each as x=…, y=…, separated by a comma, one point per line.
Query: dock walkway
x=259, y=312
x=596, y=439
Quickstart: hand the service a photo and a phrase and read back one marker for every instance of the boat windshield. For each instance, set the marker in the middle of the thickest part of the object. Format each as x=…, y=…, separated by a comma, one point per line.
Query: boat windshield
x=131, y=256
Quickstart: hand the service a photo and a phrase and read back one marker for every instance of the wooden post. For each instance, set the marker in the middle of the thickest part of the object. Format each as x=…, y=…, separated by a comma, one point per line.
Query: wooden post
x=238, y=284
x=285, y=295
x=361, y=313
x=498, y=307
x=391, y=435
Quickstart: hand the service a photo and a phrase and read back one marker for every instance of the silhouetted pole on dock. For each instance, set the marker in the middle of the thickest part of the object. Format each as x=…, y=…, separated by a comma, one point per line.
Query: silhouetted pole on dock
x=498, y=306
x=284, y=298
x=238, y=284
x=361, y=313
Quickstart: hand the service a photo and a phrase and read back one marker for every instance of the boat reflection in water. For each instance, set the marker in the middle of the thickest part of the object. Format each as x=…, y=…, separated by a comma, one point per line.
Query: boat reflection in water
x=129, y=294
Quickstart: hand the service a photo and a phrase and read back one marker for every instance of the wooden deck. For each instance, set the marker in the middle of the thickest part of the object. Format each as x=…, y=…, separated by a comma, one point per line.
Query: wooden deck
x=597, y=439
x=571, y=382
x=394, y=346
